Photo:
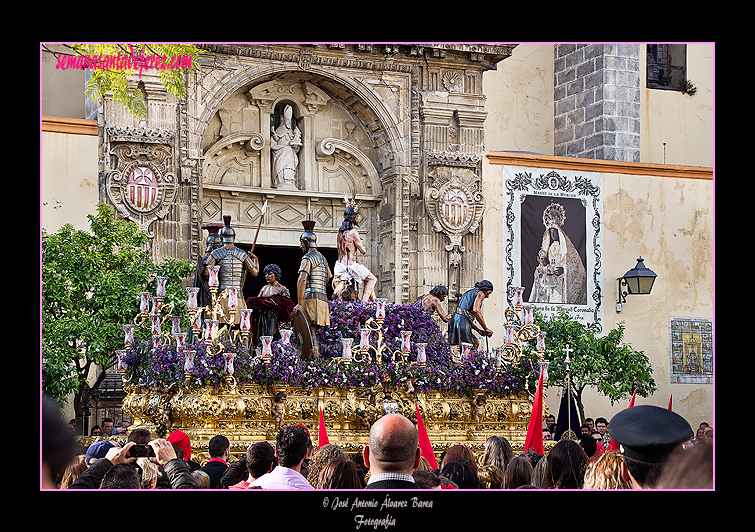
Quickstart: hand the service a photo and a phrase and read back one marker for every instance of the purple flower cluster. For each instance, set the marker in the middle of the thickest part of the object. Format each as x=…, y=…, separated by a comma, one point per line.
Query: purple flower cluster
x=164, y=366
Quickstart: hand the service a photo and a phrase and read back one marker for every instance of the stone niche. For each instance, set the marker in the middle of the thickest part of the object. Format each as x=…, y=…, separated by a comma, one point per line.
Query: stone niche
x=384, y=125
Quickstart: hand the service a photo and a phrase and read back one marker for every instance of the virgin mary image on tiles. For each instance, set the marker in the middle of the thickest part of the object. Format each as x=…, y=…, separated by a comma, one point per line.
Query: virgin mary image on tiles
x=557, y=265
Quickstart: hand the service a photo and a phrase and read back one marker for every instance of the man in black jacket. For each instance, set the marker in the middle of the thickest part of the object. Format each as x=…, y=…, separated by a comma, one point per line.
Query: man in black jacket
x=177, y=471
x=392, y=454
x=220, y=450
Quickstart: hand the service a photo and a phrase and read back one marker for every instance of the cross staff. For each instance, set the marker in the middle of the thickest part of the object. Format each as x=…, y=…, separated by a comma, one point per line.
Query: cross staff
x=568, y=431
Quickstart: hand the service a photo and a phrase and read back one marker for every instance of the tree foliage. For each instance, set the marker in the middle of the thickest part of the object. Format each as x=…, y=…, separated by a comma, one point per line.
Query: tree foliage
x=121, y=82
x=605, y=363
x=90, y=286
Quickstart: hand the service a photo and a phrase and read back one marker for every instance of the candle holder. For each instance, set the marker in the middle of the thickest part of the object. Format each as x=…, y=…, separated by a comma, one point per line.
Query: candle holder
x=346, y=348
x=421, y=354
x=366, y=352
x=128, y=331
x=210, y=330
x=246, y=324
x=267, y=349
x=189, y=355
x=229, y=380
x=520, y=327
x=466, y=350
x=161, y=287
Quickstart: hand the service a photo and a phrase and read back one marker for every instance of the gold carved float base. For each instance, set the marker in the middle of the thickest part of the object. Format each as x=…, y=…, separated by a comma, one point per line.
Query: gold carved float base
x=247, y=414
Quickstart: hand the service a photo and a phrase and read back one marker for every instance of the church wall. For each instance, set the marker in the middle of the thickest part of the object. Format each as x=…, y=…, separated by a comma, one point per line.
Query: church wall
x=69, y=190
x=662, y=213
x=683, y=122
x=520, y=104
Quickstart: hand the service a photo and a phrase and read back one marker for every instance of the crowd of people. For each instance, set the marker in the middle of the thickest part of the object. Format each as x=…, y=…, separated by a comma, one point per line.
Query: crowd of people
x=653, y=448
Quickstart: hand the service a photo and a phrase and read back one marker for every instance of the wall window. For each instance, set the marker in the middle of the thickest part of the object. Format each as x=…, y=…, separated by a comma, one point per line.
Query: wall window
x=667, y=66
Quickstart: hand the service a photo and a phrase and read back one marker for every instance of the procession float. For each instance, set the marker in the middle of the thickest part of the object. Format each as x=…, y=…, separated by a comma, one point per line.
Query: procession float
x=218, y=377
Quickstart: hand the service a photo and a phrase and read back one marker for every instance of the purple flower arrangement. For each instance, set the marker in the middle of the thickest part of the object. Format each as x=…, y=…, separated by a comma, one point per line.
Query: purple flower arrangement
x=164, y=367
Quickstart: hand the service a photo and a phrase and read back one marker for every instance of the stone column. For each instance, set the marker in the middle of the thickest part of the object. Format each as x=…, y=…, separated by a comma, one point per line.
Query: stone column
x=597, y=101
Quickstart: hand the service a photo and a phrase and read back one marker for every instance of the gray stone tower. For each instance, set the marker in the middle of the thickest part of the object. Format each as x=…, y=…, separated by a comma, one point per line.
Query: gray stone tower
x=597, y=101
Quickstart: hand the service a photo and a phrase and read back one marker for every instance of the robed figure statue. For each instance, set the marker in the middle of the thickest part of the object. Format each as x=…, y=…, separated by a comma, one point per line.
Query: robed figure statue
x=272, y=306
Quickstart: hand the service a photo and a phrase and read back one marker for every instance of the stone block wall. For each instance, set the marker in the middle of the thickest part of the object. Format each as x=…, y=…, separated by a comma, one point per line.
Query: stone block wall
x=597, y=101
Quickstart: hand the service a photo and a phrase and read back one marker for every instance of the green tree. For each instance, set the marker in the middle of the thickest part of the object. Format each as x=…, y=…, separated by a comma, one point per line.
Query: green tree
x=123, y=83
x=605, y=363
x=90, y=287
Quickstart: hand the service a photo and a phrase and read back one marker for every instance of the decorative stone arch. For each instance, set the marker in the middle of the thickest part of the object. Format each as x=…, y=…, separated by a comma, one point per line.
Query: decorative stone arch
x=390, y=144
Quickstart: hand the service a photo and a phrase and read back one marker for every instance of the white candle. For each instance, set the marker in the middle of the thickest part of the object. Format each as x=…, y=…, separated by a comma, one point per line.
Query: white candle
x=406, y=344
x=161, y=284
x=541, y=340
x=246, y=319
x=267, y=349
x=189, y=360
x=155, y=320
x=213, y=281
x=211, y=328
x=128, y=329
x=518, y=296
x=144, y=301
x=180, y=340
x=233, y=297
x=229, y=357
x=175, y=325
x=364, y=337
x=191, y=293
x=346, y=347
x=528, y=317
x=466, y=350
x=421, y=352
x=121, y=364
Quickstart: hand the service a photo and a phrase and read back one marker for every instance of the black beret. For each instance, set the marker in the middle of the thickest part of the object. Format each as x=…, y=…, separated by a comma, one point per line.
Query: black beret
x=649, y=433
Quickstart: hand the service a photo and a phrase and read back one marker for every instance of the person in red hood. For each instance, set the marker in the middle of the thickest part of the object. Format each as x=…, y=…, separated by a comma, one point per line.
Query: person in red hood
x=180, y=440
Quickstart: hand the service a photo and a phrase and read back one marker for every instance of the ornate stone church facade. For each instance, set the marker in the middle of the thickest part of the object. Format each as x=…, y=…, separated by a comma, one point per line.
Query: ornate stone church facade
x=397, y=128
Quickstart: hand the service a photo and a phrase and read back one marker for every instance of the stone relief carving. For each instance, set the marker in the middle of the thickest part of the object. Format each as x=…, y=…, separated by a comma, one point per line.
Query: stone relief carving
x=285, y=143
x=142, y=187
x=454, y=203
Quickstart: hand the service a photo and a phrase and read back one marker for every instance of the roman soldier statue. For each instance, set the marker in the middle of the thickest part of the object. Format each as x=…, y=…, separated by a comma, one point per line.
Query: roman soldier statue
x=312, y=310
x=235, y=264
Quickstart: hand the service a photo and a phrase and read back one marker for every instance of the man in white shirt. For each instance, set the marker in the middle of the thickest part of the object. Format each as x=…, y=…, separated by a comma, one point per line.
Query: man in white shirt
x=292, y=447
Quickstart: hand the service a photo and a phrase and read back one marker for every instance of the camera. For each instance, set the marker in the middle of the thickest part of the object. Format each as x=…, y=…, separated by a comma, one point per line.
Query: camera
x=141, y=450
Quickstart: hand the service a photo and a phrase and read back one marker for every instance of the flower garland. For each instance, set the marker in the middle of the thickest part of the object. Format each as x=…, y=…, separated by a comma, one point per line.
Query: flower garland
x=163, y=367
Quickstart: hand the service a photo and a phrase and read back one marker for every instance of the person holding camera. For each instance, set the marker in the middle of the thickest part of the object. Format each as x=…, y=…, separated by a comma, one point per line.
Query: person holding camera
x=159, y=451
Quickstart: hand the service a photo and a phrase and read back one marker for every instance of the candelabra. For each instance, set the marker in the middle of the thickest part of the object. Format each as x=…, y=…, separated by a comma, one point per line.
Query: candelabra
x=520, y=326
x=366, y=351
x=205, y=320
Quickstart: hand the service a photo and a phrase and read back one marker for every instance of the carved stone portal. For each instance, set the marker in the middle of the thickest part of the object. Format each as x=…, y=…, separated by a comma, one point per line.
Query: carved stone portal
x=399, y=128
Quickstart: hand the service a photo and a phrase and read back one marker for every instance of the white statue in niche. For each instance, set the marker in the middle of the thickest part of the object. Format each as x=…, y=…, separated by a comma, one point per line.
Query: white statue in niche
x=285, y=143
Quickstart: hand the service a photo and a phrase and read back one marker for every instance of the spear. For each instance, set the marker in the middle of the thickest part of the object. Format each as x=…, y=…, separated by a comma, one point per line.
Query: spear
x=262, y=215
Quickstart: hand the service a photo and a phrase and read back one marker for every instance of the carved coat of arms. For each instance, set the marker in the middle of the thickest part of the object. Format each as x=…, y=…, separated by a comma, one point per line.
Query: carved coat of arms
x=454, y=202
x=141, y=186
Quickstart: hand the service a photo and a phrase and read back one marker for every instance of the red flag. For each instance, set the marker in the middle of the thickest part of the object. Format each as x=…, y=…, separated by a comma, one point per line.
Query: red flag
x=534, y=440
x=669, y=401
x=424, y=441
x=613, y=445
x=322, y=436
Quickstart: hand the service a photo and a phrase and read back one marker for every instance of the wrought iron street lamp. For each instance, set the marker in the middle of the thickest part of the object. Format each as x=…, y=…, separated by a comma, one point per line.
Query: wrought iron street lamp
x=638, y=280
